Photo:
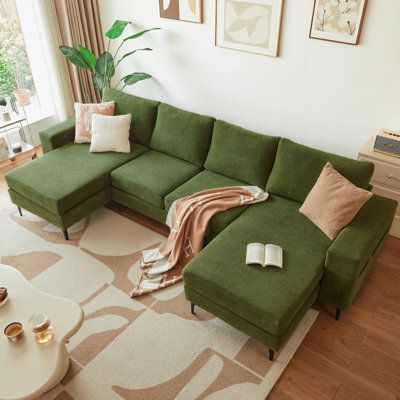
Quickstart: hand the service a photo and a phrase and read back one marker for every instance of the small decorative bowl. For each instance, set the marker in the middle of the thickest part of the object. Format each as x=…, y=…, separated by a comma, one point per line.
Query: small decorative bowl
x=14, y=331
x=16, y=147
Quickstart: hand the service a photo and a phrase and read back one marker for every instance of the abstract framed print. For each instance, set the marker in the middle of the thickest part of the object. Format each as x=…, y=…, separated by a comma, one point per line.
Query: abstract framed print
x=249, y=25
x=182, y=10
x=338, y=20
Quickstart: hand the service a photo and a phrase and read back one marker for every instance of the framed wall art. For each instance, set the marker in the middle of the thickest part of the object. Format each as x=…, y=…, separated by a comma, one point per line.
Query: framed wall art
x=249, y=25
x=182, y=10
x=338, y=20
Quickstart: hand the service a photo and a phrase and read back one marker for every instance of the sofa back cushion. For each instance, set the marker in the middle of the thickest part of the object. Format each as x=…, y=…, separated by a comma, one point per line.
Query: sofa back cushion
x=241, y=154
x=144, y=113
x=182, y=134
x=297, y=168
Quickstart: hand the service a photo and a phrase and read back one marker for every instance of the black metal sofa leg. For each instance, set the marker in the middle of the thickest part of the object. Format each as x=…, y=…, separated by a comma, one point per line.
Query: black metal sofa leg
x=337, y=315
x=65, y=232
x=20, y=211
x=271, y=354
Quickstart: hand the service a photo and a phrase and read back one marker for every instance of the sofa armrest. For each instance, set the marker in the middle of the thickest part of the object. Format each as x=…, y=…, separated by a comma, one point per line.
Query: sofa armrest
x=58, y=135
x=352, y=254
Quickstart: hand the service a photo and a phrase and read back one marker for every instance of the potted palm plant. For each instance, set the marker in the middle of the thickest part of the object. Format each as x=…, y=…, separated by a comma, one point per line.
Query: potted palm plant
x=103, y=68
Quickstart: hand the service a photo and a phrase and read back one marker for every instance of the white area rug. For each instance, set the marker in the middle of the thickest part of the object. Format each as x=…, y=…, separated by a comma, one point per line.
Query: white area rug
x=145, y=348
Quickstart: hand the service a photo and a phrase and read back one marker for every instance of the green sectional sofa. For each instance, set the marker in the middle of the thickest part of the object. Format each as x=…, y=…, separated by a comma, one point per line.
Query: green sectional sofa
x=176, y=153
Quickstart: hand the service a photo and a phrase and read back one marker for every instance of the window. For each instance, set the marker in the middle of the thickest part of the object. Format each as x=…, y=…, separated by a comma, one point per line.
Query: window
x=23, y=73
x=15, y=70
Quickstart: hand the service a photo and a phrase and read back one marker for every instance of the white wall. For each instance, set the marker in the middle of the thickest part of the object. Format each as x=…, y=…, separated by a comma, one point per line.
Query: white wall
x=326, y=95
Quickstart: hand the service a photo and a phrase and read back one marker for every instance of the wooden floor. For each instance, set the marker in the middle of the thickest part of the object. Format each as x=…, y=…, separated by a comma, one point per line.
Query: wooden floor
x=355, y=358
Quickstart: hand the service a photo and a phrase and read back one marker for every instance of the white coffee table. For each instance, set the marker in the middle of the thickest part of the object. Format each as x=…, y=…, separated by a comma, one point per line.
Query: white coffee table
x=28, y=369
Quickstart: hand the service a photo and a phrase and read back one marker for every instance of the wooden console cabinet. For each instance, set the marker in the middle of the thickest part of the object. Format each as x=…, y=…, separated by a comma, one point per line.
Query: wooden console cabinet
x=386, y=178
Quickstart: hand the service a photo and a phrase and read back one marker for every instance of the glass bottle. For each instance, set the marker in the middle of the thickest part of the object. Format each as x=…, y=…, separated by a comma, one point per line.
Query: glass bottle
x=41, y=327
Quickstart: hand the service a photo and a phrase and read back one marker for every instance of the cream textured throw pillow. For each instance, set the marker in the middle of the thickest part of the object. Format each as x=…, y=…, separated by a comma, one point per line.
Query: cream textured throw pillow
x=333, y=202
x=83, y=116
x=111, y=133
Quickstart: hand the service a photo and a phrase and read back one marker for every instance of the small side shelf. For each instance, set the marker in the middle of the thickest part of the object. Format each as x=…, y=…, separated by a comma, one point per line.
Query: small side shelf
x=14, y=120
x=18, y=121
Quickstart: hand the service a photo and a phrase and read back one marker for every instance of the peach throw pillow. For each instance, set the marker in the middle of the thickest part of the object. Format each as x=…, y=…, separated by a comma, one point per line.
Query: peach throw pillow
x=333, y=202
x=83, y=116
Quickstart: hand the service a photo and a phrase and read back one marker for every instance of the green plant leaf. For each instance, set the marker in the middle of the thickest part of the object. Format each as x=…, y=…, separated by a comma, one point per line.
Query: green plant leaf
x=132, y=52
x=136, y=35
x=99, y=81
x=3, y=102
x=105, y=65
x=89, y=57
x=135, y=77
x=117, y=29
x=74, y=56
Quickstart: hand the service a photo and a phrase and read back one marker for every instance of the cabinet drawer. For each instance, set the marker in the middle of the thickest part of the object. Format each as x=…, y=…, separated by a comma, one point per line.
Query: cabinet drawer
x=385, y=173
x=385, y=192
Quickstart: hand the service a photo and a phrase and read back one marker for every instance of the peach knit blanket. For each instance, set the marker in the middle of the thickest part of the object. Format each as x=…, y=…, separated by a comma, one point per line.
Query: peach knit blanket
x=188, y=219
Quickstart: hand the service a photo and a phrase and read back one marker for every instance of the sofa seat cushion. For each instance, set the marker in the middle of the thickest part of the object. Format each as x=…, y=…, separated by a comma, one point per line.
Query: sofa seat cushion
x=297, y=168
x=64, y=177
x=241, y=154
x=152, y=176
x=266, y=297
x=182, y=134
x=208, y=180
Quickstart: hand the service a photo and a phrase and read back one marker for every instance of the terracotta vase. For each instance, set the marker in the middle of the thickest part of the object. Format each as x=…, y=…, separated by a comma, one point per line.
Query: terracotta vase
x=23, y=97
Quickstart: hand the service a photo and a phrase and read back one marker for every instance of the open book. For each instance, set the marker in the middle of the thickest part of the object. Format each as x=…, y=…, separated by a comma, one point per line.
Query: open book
x=270, y=254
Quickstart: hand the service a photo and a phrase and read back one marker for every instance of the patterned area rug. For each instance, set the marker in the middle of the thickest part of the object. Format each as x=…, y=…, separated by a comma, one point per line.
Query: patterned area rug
x=145, y=348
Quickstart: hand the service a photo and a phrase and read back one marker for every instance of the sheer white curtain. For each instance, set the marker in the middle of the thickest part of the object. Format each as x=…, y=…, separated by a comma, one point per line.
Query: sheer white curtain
x=49, y=67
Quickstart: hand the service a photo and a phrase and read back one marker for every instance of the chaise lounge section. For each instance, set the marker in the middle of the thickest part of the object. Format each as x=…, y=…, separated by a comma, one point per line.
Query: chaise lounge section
x=176, y=153
x=68, y=183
